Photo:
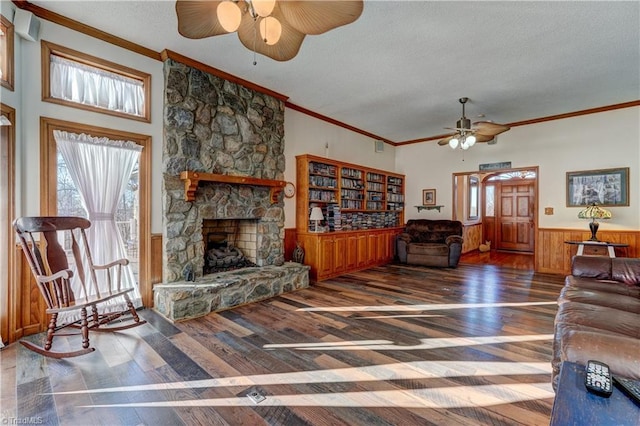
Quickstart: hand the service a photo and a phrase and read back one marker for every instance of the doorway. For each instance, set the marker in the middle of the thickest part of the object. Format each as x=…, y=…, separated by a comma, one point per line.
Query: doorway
x=509, y=210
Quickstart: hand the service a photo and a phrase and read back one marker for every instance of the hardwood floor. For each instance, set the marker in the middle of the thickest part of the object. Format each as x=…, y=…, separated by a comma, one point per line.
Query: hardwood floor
x=392, y=345
x=503, y=259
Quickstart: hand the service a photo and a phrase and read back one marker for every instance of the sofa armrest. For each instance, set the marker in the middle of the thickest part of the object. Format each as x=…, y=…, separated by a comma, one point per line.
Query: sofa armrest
x=455, y=249
x=404, y=237
x=453, y=239
x=402, y=241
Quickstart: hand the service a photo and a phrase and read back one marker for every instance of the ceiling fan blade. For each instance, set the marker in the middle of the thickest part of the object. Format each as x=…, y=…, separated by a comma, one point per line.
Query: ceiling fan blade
x=286, y=48
x=489, y=128
x=198, y=18
x=483, y=138
x=317, y=17
x=445, y=141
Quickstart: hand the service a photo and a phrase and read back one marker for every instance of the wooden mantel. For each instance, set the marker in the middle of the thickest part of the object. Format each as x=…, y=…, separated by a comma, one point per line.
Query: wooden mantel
x=191, y=180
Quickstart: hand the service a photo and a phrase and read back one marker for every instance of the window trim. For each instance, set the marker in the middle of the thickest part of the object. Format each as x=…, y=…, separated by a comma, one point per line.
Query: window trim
x=48, y=185
x=7, y=299
x=49, y=48
x=7, y=80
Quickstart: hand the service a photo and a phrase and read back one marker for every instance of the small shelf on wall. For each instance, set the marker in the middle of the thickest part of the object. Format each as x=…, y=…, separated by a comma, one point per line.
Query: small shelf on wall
x=420, y=208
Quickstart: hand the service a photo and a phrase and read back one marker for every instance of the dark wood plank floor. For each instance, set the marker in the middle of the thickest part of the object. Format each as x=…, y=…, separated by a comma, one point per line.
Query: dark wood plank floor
x=392, y=345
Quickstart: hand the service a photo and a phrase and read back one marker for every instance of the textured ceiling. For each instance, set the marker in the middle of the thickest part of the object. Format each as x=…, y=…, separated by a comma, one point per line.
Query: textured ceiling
x=398, y=71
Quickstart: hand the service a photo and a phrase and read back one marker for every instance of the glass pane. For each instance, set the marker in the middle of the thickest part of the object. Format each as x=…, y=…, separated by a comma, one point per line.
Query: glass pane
x=70, y=204
x=473, y=197
x=489, y=197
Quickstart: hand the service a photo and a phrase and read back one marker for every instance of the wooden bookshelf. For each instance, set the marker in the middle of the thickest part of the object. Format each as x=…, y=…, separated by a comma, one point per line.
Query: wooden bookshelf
x=363, y=211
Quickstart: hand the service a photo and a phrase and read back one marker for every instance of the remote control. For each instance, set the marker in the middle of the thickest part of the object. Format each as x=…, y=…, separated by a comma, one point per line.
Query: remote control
x=628, y=386
x=598, y=378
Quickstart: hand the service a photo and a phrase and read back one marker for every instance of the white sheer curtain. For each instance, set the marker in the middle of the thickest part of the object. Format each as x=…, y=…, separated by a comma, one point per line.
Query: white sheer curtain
x=84, y=84
x=100, y=169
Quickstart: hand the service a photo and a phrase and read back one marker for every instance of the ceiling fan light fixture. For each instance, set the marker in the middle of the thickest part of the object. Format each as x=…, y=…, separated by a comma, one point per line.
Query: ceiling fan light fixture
x=453, y=143
x=229, y=15
x=263, y=8
x=199, y=19
x=470, y=140
x=270, y=30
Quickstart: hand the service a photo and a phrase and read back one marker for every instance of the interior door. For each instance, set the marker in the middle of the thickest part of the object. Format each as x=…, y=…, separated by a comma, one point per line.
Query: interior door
x=515, y=215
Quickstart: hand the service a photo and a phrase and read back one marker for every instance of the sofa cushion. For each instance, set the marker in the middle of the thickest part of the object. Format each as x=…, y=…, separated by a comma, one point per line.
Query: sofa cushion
x=600, y=298
x=599, y=317
x=620, y=353
x=598, y=267
x=602, y=285
x=432, y=231
x=626, y=270
x=561, y=330
x=428, y=249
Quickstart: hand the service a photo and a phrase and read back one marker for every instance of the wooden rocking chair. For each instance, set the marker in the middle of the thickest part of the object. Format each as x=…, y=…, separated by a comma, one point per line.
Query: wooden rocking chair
x=48, y=262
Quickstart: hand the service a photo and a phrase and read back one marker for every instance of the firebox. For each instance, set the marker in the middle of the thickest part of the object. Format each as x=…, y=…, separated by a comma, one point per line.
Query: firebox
x=229, y=244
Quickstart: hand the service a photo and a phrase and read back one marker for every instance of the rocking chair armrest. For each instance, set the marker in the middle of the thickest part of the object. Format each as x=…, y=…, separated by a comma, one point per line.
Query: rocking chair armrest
x=122, y=262
x=64, y=274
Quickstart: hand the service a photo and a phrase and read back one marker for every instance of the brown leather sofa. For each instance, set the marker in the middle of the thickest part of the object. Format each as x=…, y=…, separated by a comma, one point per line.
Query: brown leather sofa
x=430, y=243
x=599, y=315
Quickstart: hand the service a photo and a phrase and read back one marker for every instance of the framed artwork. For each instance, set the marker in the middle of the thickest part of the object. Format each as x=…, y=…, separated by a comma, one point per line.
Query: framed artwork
x=428, y=197
x=606, y=187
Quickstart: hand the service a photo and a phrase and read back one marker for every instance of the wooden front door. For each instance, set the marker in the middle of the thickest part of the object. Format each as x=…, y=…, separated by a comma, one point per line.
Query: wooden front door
x=515, y=215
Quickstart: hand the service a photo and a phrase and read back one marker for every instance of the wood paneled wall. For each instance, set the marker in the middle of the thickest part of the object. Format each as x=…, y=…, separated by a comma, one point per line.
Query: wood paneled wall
x=27, y=310
x=156, y=261
x=472, y=237
x=290, y=236
x=553, y=255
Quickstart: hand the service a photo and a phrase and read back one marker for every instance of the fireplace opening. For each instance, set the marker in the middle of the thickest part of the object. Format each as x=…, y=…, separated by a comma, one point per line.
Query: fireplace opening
x=229, y=244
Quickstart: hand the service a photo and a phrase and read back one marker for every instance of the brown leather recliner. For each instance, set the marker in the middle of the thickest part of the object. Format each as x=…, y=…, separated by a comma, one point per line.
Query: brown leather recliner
x=430, y=243
x=599, y=315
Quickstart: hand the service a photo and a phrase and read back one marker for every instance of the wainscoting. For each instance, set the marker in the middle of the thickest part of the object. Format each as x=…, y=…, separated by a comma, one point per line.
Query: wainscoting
x=552, y=255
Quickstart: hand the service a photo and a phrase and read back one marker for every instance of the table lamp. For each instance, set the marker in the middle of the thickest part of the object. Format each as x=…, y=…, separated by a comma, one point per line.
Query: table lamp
x=316, y=215
x=594, y=212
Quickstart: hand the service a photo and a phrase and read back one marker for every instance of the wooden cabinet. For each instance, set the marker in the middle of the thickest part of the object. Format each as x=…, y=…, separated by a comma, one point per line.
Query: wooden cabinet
x=334, y=253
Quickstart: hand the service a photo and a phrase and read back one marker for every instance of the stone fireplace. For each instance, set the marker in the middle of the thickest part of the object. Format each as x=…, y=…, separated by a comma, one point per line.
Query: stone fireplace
x=214, y=126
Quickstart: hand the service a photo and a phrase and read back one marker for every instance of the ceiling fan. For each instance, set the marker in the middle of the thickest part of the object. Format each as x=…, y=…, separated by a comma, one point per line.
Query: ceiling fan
x=274, y=28
x=467, y=135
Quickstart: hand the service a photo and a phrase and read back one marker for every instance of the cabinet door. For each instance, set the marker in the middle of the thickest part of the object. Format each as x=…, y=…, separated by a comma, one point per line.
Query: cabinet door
x=383, y=247
x=325, y=256
x=352, y=252
x=363, y=254
x=339, y=254
x=372, y=248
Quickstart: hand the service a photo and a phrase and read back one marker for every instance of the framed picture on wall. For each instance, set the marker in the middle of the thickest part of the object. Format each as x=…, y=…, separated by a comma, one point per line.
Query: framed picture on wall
x=428, y=197
x=605, y=187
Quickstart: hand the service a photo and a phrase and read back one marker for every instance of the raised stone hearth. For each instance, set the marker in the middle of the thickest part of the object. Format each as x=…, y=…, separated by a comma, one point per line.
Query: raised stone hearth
x=184, y=300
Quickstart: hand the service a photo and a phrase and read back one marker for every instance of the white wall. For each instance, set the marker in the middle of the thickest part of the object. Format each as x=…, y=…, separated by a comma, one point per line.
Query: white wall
x=26, y=99
x=307, y=135
x=595, y=141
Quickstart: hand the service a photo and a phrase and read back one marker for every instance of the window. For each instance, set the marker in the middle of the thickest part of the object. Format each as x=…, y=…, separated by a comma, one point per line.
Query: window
x=6, y=53
x=473, y=197
x=59, y=196
x=7, y=211
x=81, y=81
